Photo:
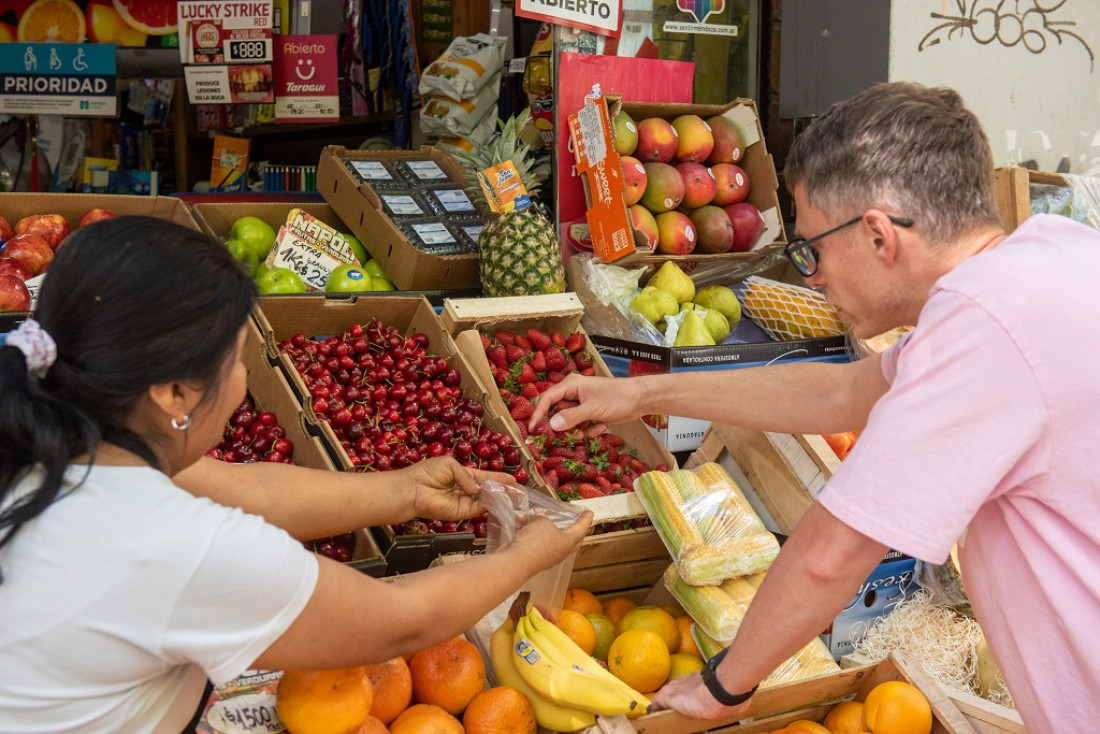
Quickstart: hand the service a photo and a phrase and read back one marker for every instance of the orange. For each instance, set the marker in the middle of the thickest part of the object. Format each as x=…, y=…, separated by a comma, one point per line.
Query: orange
x=687, y=642
x=639, y=658
x=500, y=710
x=392, y=685
x=674, y=611
x=896, y=707
x=424, y=718
x=582, y=601
x=845, y=718
x=805, y=725
x=52, y=21
x=605, y=634
x=155, y=17
x=105, y=25
x=616, y=608
x=655, y=620
x=371, y=726
x=578, y=629
x=323, y=701
x=682, y=664
x=447, y=675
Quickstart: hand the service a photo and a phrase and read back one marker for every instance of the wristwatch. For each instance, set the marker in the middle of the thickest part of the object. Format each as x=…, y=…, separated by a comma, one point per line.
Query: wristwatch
x=721, y=695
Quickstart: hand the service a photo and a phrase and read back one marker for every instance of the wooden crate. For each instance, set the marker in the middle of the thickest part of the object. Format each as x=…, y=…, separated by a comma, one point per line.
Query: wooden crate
x=1013, y=196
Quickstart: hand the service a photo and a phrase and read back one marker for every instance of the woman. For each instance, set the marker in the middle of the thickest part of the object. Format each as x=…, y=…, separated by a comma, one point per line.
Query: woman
x=122, y=591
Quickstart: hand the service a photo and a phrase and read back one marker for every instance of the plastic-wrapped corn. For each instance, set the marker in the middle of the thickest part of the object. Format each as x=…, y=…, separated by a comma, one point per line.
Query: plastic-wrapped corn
x=706, y=523
x=812, y=660
x=717, y=609
x=789, y=312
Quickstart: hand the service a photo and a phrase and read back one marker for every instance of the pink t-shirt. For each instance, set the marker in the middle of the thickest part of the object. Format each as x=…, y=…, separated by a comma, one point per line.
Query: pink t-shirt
x=989, y=436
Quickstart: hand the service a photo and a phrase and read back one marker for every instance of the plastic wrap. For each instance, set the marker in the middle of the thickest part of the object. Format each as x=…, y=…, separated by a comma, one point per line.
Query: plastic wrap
x=812, y=660
x=706, y=523
x=789, y=312
x=718, y=609
x=510, y=506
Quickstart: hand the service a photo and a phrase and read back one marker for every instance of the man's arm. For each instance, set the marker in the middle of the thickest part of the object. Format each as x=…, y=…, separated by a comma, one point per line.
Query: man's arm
x=801, y=397
x=818, y=571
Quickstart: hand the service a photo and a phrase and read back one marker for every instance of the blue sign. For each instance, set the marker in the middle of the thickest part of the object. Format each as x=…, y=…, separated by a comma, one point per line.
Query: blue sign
x=58, y=79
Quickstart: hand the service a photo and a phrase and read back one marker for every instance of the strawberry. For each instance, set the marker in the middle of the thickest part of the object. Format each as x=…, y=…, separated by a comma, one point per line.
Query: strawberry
x=521, y=409
x=526, y=374
x=565, y=405
x=560, y=451
x=484, y=340
x=515, y=354
x=589, y=491
x=614, y=440
x=529, y=391
x=588, y=473
x=558, y=340
x=638, y=466
x=551, y=479
x=555, y=359
x=589, y=372
x=506, y=338
x=500, y=377
x=498, y=355
x=661, y=467
x=539, y=340
x=583, y=360
x=604, y=483
x=568, y=495
x=538, y=362
x=575, y=343
x=580, y=455
x=543, y=385
x=522, y=341
x=561, y=467
x=554, y=377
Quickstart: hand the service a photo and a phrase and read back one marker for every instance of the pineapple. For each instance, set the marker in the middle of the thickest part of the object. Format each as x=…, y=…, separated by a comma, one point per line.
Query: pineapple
x=519, y=251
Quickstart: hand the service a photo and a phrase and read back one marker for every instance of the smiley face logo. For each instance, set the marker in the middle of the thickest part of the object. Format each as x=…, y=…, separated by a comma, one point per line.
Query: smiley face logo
x=301, y=68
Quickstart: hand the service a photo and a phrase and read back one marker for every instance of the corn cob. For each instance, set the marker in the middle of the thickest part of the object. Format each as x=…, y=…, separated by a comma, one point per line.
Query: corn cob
x=712, y=609
x=812, y=660
x=789, y=311
x=737, y=556
x=663, y=504
x=733, y=499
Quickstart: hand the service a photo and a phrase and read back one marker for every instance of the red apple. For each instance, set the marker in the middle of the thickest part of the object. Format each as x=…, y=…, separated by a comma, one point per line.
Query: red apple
x=747, y=223
x=14, y=295
x=94, y=215
x=32, y=250
x=52, y=227
x=11, y=266
x=5, y=230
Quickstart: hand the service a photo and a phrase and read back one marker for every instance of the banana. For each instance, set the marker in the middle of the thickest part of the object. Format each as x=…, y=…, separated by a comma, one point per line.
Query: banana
x=548, y=714
x=548, y=636
x=569, y=685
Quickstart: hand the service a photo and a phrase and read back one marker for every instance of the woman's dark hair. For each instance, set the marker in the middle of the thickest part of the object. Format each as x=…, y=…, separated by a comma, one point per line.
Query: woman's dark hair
x=131, y=302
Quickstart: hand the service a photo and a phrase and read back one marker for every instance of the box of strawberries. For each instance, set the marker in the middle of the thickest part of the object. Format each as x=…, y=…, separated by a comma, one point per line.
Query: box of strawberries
x=518, y=348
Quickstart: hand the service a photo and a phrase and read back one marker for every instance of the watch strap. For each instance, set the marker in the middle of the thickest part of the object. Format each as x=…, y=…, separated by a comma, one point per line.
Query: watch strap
x=721, y=695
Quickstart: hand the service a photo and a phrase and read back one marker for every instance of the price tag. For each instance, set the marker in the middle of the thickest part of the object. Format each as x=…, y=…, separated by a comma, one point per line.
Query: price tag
x=591, y=132
x=253, y=713
x=434, y=233
x=454, y=200
x=34, y=285
x=427, y=170
x=370, y=170
x=402, y=205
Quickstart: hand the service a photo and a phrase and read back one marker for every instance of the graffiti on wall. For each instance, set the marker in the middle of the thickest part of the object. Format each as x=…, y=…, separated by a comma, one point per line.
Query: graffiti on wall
x=1036, y=25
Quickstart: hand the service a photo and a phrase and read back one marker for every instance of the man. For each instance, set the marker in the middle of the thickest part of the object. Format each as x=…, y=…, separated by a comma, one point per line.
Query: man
x=978, y=427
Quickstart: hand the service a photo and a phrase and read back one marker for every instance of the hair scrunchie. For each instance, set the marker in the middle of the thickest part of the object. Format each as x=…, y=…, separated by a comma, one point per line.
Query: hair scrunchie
x=37, y=346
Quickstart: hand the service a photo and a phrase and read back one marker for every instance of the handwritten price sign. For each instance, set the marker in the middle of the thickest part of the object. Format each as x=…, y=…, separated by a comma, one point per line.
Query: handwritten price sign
x=249, y=714
x=301, y=256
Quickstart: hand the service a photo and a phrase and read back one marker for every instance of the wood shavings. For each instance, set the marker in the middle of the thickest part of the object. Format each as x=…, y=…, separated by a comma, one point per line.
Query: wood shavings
x=943, y=641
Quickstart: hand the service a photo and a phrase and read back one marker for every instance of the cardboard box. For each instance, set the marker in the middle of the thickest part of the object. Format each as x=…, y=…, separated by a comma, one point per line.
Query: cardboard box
x=361, y=208
x=16, y=205
x=216, y=218
x=281, y=317
x=1011, y=188
x=271, y=392
x=619, y=559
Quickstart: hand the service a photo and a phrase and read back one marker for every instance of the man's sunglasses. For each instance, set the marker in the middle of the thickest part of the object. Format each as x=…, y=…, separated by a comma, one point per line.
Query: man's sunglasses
x=804, y=258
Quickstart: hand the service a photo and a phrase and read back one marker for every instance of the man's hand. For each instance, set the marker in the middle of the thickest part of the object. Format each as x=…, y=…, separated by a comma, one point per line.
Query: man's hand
x=690, y=697
x=445, y=490
x=602, y=400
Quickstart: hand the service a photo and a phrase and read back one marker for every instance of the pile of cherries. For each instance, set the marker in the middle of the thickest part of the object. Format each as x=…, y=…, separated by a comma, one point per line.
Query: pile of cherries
x=252, y=435
x=391, y=403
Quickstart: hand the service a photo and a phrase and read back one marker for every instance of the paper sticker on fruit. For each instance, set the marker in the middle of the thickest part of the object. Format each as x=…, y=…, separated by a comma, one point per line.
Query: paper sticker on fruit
x=729, y=146
x=694, y=139
x=634, y=180
x=699, y=184
x=51, y=227
x=732, y=184
x=31, y=250
x=665, y=188
x=625, y=134
x=278, y=281
x=94, y=215
x=677, y=235
x=52, y=21
x=14, y=295
x=348, y=279
x=154, y=17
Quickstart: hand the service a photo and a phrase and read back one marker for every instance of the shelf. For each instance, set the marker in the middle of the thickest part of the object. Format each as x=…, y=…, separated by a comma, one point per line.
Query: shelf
x=278, y=129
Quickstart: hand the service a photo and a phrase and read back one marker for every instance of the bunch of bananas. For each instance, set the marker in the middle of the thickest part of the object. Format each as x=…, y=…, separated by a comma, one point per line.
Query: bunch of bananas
x=566, y=687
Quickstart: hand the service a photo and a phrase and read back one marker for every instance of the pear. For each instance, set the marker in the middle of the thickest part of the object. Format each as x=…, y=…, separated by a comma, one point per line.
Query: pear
x=721, y=299
x=693, y=332
x=654, y=304
x=670, y=278
x=716, y=324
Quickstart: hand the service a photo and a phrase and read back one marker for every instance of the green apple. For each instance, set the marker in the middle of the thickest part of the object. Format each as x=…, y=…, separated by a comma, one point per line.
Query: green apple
x=244, y=255
x=381, y=284
x=279, y=281
x=375, y=270
x=357, y=249
x=260, y=270
x=347, y=279
x=254, y=233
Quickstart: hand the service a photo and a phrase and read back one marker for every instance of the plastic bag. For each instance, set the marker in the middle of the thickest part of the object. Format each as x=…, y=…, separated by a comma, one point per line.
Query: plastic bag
x=511, y=506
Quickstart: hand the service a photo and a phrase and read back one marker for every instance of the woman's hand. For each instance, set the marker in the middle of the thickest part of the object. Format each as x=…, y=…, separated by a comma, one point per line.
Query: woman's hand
x=690, y=697
x=544, y=544
x=443, y=489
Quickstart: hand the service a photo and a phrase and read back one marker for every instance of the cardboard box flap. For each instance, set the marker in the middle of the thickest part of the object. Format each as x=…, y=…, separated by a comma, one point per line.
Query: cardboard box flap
x=460, y=314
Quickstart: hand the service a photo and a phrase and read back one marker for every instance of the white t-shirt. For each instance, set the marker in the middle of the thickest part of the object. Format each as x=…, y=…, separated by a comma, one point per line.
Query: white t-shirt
x=121, y=598
x=987, y=437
